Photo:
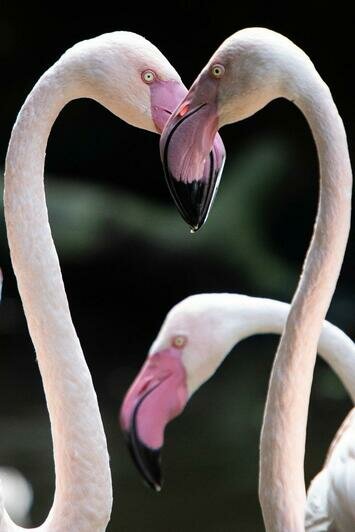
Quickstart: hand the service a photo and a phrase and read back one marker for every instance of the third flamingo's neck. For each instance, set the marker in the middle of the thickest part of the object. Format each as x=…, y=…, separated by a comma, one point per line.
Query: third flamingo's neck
x=263, y=316
x=282, y=485
x=83, y=494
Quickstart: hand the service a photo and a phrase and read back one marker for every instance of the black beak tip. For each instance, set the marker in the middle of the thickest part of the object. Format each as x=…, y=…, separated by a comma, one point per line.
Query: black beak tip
x=147, y=461
x=194, y=198
x=190, y=199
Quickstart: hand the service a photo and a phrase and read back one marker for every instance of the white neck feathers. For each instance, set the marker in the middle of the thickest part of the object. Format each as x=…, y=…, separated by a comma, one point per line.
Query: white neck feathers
x=282, y=486
x=83, y=495
x=264, y=316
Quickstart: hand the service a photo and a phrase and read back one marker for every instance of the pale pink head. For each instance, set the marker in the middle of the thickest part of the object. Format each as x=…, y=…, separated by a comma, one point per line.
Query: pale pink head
x=242, y=76
x=195, y=337
x=133, y=79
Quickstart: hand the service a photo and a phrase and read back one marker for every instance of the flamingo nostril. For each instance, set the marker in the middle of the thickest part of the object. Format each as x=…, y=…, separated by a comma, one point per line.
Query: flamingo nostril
x=144, y=387
x=183, y=109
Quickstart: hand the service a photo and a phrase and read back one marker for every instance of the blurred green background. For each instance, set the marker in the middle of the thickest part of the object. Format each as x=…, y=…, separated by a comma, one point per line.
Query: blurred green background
x=127, y=257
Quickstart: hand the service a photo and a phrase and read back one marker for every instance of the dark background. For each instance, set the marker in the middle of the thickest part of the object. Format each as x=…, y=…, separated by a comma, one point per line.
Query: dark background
x=127, y=258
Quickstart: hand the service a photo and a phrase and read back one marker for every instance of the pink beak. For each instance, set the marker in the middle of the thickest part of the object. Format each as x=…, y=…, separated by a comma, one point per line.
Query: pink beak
x=193, y=153
x=158, y=395
x=165, y=96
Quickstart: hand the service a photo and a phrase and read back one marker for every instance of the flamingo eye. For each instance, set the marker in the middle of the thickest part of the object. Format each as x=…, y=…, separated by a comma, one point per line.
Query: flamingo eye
x=148, y=76
x=217, y=70
x=179, y=341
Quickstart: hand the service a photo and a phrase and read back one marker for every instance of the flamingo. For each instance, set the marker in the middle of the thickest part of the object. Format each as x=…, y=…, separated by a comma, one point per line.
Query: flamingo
x=250, y=69
x=200, y=331
x=130, y=77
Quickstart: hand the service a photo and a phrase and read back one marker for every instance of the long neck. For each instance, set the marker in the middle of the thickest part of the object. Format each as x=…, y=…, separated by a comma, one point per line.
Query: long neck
x=83, y=493
x=282, y=485
x=264, y=316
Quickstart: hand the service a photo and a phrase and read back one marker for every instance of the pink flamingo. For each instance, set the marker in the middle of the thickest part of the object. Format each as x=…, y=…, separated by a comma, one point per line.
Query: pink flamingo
x=251, y=68
x=130, y=77
x=197, y=335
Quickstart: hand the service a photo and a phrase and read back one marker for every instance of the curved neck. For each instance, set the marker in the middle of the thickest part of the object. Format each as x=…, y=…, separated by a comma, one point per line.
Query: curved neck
x=264, y=316
x=282, y=485
x=83, y=494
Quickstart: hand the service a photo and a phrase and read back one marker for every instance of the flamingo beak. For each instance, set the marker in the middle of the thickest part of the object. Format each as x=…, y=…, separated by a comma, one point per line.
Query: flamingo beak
x=165, y=96
x=146, y=458
x=193, y=153
x=158, y=395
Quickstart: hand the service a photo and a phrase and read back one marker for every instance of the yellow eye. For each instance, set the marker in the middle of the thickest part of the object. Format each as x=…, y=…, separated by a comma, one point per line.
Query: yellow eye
x=148, y=76
x=217, y=70
x=179, y=341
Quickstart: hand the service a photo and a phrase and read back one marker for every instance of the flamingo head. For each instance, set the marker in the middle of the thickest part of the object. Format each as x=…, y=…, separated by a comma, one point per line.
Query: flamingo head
x=190, y=346
x=132, y=78
x=128, y=75
x=240, y=78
